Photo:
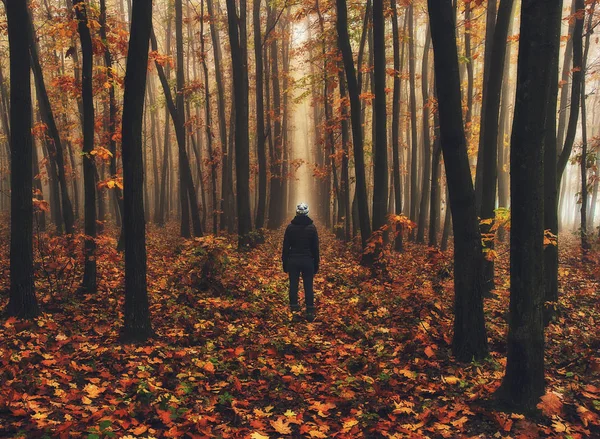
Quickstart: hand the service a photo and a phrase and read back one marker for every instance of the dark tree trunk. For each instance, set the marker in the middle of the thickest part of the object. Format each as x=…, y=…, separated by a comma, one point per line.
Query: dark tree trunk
x=226, y=171
x=239, y=59
x=163, y=207
x=208, y=125
x=426, y=181
x=447, y=224
x=55, y=151
x=346, y=155
x=22, y=303
x=260, y=120
x=564, y=80
x=355, y=117
x=489, y=142
x=89, y=168
x=155, y=143
x=414, y=182
x=584, y=146
x=276, y=177
x=137, y=326
x=469, y=326
x=112, y=117
x=576, y=80
x=470, y=79
x=550, y=174
x=490, y=27
x=436, y=199
x=523, y=383
x=380, y=180
x=398, y=244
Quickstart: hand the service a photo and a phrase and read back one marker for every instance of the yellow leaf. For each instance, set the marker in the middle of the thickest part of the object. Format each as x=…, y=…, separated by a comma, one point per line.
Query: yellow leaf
x=86, y=400
x=451, y=380
x=318, y=434
x=40, y=416
x=289, y=414
x=281, y=426
x=349, y=424
x=257, y=435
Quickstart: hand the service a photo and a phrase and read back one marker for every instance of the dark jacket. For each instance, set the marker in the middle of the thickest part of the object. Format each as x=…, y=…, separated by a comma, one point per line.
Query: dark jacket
x=301, y=239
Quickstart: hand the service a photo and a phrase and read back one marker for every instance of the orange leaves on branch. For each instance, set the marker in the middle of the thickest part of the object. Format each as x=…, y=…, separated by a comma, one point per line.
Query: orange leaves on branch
x=111, y=183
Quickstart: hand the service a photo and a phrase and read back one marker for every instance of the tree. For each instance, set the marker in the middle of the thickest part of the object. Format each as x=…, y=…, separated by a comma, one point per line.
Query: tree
x=137, y=315
x=380, y=172
x=489, y=142
x=469, y=326
x=523, y=383
x=396, y=124
x=89, y=168
x=239, y=59
x=355, y=119
x=55, y=145
x=260, y=119
x=23, y=302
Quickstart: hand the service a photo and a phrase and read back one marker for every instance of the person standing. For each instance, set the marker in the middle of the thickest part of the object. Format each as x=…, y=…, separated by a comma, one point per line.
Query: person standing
x=300, y=256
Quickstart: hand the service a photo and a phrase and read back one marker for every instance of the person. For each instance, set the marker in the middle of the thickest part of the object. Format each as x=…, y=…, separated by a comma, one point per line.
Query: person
x=300, y=256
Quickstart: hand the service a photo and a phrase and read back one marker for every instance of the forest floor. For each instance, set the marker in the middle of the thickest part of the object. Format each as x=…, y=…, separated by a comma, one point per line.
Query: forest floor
x=227, y=362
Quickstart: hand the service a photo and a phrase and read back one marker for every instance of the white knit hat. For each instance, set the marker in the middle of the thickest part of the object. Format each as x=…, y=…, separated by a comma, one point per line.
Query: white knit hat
x=302, y=209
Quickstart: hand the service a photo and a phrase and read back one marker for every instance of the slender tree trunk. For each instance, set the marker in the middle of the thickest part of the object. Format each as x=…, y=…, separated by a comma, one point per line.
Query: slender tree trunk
x=55, y=145
x=380, y=180
x=489, y=142
x=398, y=245
x=523, y=383
x=225, y=180
x=470, y=76
x=239, y=59
x=576, y=80
x=414, y=182
x=426, y=180
x=260, y=119
x=565, y=76
x=346, y=155
x=355, y=115
x=163, y=207
x=470, y=339
x=112, y=114
x=436, y=171
x=22, y=301
x=89, y=169
x=137, y=325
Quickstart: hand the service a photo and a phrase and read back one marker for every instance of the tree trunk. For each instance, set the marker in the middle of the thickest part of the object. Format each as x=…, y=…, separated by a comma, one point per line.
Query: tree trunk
x=22, y=301
x=489, y=143
x=225, y=201
x=380, y=174
x=523, y=383
x=576, y=80
x=426, y=180
x=436, y=199
x=346, y=155
x=137, y=326
x=89, y=168
x=355, y=117
x=239, y=59
x=414, y=182
x=469, y=326
x=55, y=145
x=565, y=76
x=398, y=244
x=260, y=120
x=112, y=114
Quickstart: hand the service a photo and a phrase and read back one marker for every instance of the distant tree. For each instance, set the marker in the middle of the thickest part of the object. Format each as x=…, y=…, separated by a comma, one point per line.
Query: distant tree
x=470, y=339
x=260, y=119
x=89, y=168
x=137, y=316
x=23, y=302
x=523, y=383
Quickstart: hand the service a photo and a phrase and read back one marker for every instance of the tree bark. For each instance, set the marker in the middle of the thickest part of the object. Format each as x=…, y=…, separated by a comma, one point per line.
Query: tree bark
x=239, y=59
x=523, y=383
x=469, y=326
x=426, y=180
x=89, y=169
x=137, y=326
x=414, y=182
x=355, y=117
x=398, y=244
x=260, y=119
x=22, y=301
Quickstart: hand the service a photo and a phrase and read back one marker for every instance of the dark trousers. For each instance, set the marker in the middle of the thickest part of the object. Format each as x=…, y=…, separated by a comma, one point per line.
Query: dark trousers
x=301, y=265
